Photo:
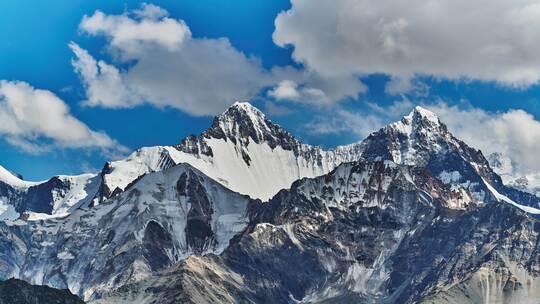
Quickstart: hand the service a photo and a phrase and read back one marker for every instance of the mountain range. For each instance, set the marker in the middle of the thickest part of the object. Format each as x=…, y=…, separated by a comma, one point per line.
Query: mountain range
x=246, y=213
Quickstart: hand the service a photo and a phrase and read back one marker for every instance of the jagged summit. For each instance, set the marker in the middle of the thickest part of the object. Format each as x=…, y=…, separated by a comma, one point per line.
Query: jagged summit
x=420, y=120
x=242, y=110
x=245, y=106
x=243, y=122
x=242, y=149
x=424, y=113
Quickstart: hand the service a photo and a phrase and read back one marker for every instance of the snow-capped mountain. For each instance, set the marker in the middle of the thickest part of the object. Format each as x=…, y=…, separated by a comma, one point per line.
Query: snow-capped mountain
x=420, y=139
x=159, y=220
x=367, y=232
x=409, y=214
x=242, y=150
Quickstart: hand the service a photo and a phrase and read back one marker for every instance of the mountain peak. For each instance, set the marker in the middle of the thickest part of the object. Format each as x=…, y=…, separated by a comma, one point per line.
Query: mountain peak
x=423, y=113
x=245, y=105
x=242, y=121
x=243, y=110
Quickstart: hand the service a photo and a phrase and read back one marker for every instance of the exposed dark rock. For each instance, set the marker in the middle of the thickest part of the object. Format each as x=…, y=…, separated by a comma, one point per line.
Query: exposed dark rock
x=19, y=292
x=156, y=242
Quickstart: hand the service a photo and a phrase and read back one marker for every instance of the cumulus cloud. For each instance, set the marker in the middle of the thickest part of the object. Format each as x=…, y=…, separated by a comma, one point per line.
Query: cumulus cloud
x=149, y=27
x=156, y=60
x=167, y=67
x=290, y=90
x=308, y=87
x=104, y=83
x=495, y=40
x=35, y=119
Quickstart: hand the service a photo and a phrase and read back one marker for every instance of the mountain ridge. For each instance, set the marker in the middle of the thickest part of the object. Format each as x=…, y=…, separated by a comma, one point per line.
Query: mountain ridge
x=368, y=232
x=194, y=211
x=249, y=154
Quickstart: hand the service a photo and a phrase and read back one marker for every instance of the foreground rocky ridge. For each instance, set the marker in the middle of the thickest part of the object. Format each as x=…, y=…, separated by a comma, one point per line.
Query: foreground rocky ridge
x=19, y=292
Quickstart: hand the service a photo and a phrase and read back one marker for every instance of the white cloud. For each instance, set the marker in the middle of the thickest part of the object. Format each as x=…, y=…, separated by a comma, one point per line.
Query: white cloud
x=149, y=26
x=489, y=40
x=308, y=87
x=150, y=11
x=286, y=89
x=167, y=67
x=156, y=60
x=35, y=119
x=103, y=82
x=291, y=91
x=341, y=121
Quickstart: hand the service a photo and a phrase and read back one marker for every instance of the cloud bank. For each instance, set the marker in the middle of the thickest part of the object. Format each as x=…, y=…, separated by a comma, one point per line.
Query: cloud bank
x=488, y=40
x=170, y=68
x=36, y=120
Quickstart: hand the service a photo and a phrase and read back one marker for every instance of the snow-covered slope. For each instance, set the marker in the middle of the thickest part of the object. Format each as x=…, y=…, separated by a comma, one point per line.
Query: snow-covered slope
x=12, y=180
x=55, y=197
x=79, y=191
x=243, y=150
x=161, y=219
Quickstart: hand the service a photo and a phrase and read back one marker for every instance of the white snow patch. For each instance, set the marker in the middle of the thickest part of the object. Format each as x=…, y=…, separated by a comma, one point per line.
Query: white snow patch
x=7, y=211
x=452, y=177
x=65, y=255
x=501, y=197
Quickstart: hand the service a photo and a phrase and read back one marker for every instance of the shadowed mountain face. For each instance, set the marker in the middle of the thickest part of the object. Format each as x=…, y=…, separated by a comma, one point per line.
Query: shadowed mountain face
x=161, y=219
x=19, y=292
x=368, y=232
x=410, y=214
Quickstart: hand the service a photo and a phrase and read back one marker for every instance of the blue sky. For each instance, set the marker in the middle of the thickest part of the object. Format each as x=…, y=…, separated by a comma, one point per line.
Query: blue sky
x=34, y=49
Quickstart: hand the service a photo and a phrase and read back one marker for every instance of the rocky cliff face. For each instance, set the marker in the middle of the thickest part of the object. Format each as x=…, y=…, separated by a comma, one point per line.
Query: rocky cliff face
x=420, y=139
x=159, y=220
x=368, y=232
